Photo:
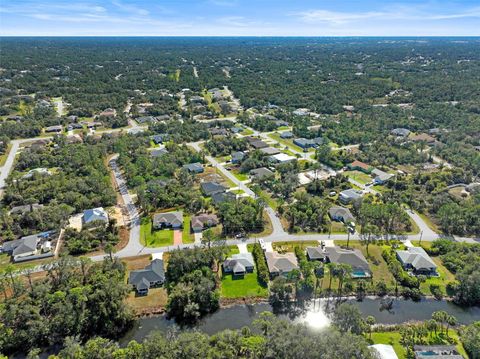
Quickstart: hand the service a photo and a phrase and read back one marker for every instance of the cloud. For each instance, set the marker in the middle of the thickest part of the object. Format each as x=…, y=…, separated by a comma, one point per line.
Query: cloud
x=130, y=8
x=223, y=2
x=398, y=12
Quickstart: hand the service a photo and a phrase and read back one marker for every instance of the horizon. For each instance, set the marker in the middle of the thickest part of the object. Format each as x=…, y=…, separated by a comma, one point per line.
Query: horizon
x=234, y=18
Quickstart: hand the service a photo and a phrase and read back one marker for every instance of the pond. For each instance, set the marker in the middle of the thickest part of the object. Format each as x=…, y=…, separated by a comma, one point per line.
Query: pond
x=315, y=316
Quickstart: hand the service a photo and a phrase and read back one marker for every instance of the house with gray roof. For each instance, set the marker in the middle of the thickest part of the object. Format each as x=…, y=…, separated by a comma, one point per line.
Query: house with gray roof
x=286, y=134
x=238, y=157
x=270, y=151
x=436, y=352
x=194, y=167
x=341, y=214
x=381, y=177
x=203, y=221
x=258, y=144
x=160, y=138
x=400, y=132
x=210, y=188
x=153, y=275
x=221, y=197
x=281, y=264
x=349, y=196
x=239, y=264
x=338, y=255
x=95, y=215
x=260, y=173
x=158, y=152
x=56, y=128
x=417, y=260
x=168, y=220
x=28, y=246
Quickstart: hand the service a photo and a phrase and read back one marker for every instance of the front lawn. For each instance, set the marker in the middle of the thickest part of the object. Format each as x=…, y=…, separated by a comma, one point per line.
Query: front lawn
x=187, y=236
x=358, y=176
x=283, y=247
x=154, y=238
x=248, y=286
x=239, y=176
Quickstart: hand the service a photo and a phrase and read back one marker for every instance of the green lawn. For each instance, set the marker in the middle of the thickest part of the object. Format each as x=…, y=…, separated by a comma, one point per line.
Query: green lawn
x=247, y=132
x=3, y=158
x=155, y=238
x=187, y=236
x=239, y=176
x=267, y=197
x=390, y=338
x=285, y=142
x=289, y=246
x=248, y=286
x=433, y=226
x=358, y=176
x=228, y=181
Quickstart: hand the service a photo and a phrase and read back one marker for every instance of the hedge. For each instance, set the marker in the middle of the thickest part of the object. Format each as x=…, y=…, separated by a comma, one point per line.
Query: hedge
x=262, y=268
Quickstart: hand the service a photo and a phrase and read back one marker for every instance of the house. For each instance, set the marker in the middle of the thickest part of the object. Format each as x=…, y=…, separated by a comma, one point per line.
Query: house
x=221, y=197
x=258, y=144
x=56, y=129
x=301, y=112
x=109, y=112
x=384, y=351
x=95, y=215
x=337, y=255
x=25, y=208
x=162, y=118
x=270, y=151
x=281, y=264
x=168, y=220
x=197, y=99
x=341, y=214
x=349, y=196
x=239, y=264
x=304, y=143
x=37, y=171
x=202, y=221
x=158, y=152
x=381, y=177
x=436, y=352
x=281, y=123
x=194, y=167
x=160, y=138
x=74, y=126
x=236, y=129
x=286, y=134
x=281, y=158
x=146, y=119
x=218, y=131
x=400, y=132
x=360, y=166
x=260, y=173
x=210, y=188
x=29, y=246
x=238, y=157
x=416, y=259
x=153, y=275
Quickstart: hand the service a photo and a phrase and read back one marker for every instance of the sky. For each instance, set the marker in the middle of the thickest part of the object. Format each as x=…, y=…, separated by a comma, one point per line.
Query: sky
x=239, y=18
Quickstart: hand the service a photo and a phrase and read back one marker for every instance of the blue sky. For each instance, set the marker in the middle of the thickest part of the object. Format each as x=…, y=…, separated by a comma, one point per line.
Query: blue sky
x=239, y=18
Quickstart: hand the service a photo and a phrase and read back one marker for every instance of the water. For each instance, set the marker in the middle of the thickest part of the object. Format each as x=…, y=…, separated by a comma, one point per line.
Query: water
x=316, y=317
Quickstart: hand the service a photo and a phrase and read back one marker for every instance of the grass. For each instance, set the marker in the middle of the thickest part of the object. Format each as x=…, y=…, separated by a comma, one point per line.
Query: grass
x=393, y=339
x=3, y=158
x=445, y=276
x=248, y=286
x=290, y=246
x=156, y=238
x=378, y=266
x=359, y=176
x=267, y=230
x=267, y=197
x=5, y=262
x=156, y=298
x=239, y=176
x=187, y=236
x=238, y=191
x=433, y=226
x=228, y=181
x=247, y=132
x=285, y=142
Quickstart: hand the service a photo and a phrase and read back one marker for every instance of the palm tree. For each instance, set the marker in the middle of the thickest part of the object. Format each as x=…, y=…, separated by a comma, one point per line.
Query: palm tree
x=344, y=272
x=370, y=322
x=451, y=321
x=332, y=267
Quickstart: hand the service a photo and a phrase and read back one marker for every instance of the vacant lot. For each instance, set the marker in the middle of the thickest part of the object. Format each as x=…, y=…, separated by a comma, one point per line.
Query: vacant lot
x=358, y=176
x=248, y=286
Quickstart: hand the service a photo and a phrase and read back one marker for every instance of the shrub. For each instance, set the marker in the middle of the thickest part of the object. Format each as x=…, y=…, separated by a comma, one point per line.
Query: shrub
x=261, y=263
x=436, y=291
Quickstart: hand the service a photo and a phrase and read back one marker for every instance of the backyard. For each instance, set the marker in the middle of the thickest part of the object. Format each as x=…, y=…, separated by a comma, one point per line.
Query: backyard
x=248, y=286
x=187, y=235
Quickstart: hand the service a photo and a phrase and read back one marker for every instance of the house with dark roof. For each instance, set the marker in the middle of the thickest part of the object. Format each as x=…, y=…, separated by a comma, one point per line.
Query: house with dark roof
x=270, y=151
x=360, y=166
x=349, y=196
x=281, y=264
x=221, y=197
x=304, y=143
x=95, y=215
x=160, y=138
x=26, y=208
x=258, y=144
x=194, y=167
x=203, y=221
x=238, y=157
x=168, y=220
x=239, y=264
x=381, y=177
x=210, y=188
x=144, y=279
x=281, y=123
x=352, y=257
x=417, y=260
x=57, y=129
x=260, y=173
x=341, y=214
x=146, y=119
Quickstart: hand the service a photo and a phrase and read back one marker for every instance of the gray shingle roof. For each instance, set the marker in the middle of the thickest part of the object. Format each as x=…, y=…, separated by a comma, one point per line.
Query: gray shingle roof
x=341, y=212
x=173, y=219
x=152, y=273
x=261, y=172
x=238, y=263
x=417, y=258
x=281, y=263
x=209, y=188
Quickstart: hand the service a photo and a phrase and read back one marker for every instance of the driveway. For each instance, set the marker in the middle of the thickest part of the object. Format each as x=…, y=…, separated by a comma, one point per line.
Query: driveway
x=242, y=247
x=177, y=237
